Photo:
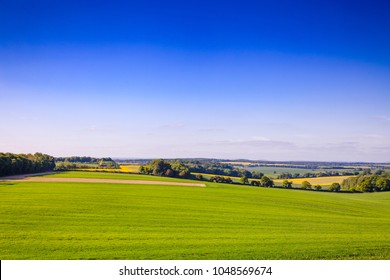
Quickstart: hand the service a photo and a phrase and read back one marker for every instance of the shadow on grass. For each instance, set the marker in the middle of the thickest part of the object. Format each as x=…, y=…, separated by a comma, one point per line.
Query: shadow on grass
x=6, y=184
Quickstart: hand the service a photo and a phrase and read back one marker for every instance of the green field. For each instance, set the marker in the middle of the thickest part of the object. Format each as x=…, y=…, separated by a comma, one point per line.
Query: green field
x=46, y=220
x=274, y=172
x=119, y=176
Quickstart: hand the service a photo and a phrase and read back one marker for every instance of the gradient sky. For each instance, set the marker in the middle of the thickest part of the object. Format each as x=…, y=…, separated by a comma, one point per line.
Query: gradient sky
x=273, y=80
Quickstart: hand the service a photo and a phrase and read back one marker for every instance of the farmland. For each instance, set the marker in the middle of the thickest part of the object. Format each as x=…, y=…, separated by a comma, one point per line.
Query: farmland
x=323, y=181
x=133, y=168
x=274, y=172
x=80, y=220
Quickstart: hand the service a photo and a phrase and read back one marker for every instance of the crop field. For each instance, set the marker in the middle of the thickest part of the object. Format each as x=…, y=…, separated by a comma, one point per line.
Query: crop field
x=126, y=168
x=74, y=220
x=134, y=168
x=323, y=181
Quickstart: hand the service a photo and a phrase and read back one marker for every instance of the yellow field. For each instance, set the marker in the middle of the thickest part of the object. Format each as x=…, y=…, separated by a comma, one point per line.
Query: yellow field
x=323, y=181
x=130, y=168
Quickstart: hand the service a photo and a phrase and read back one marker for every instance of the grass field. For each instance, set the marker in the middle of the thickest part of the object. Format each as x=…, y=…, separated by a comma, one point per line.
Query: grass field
x=41, y=220
x=119, y=176
x=274, y=172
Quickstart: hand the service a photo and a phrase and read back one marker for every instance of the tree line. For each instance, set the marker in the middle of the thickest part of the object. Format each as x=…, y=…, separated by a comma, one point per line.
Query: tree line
x=161, y=167
x=15, y=164
x=79, y=159
x=217, y=168
x=368, y=183
x=77, y=162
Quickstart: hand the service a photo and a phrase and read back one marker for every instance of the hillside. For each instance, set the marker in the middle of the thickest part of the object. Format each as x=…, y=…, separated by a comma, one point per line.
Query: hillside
x=69, y=220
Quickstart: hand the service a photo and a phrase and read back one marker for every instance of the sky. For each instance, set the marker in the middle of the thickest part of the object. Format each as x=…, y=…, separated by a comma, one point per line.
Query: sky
x=262, y=80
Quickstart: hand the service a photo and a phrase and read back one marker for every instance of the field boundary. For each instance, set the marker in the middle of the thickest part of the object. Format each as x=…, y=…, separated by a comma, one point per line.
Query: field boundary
x=24, y=176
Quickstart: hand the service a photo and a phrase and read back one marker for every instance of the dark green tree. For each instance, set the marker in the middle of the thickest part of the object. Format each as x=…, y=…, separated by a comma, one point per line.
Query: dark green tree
x=317, y=187
x=244, y=180
x=287, y=184
x=335, y=187
x=266, y=182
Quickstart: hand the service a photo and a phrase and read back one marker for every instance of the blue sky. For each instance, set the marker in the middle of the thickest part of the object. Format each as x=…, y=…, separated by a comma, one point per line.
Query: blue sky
x=276, y=80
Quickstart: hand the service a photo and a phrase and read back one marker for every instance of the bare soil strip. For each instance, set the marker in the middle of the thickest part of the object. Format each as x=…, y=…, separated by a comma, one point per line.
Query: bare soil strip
x=111, y=181
x=23, y=176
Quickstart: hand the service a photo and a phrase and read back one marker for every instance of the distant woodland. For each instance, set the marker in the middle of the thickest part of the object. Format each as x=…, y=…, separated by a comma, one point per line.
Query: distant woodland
x=216, y=168
x=14, y=164
x=77, y=162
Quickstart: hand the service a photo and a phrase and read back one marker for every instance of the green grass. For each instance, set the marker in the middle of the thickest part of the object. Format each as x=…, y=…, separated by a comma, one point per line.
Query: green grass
x=274, y=172
x=113, y=221
x=119, y=176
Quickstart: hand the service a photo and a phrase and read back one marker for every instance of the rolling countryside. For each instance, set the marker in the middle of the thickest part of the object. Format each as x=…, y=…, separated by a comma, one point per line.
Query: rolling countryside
x=79, y=220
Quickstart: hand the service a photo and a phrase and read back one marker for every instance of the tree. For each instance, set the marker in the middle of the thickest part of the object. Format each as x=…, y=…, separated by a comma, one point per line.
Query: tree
x=257, y=174
x=244, y=180
x=383, y=184
x=184, y=174
x=11, y=164
x=266, y=182
x=366, y=171
x=170, y=173
x=317, y=187
x=335, y=187
x=255, y=183
x=379, y=172
x=287, y=184
x=305, y=185
x=159, y=167
x=366, y=184
x=228, y=180
x=181, y=170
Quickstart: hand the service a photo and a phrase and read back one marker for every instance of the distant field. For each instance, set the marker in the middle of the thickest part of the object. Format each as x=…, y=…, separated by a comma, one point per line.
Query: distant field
x=47, y=220
x=127, y=168
x=134, y=168
x=273, y=172
x=323, y=181
x=237, y=162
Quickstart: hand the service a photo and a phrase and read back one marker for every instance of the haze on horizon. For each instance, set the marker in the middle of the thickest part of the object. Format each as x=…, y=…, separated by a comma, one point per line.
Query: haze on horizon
x=265, y=80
